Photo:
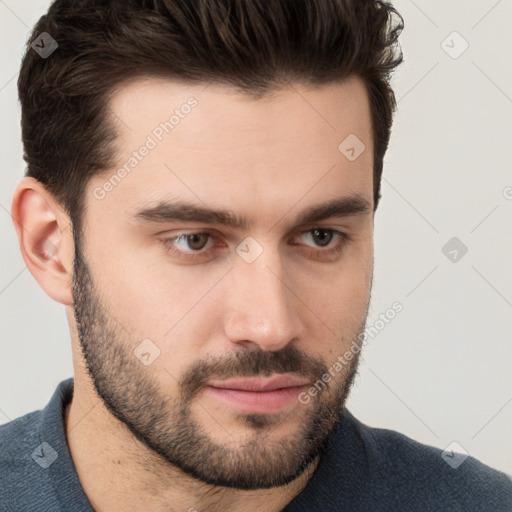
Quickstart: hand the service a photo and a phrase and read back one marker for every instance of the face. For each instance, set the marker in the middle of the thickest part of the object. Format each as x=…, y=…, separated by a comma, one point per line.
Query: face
x=220, y=277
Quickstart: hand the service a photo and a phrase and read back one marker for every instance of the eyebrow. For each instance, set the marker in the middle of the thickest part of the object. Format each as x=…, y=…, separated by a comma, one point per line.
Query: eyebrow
x=189, y=212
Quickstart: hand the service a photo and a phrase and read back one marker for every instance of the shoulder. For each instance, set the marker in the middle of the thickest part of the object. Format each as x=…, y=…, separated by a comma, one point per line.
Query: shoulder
x=19, y=441
x=17, y=436
x=445, y=479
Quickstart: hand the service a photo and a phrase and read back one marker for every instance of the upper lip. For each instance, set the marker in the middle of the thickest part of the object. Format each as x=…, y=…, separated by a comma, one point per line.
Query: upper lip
x=260, y=383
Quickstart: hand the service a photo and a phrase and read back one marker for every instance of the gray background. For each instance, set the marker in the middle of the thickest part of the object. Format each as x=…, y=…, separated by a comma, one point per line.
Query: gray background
x=440, y=371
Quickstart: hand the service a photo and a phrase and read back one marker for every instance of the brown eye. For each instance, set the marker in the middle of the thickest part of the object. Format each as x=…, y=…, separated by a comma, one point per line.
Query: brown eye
x=189, y=245
x=323, y=236
x=197, y=241
x=323, y=244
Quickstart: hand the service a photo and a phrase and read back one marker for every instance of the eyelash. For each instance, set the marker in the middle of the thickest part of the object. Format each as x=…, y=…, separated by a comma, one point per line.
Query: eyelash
x=169, y=244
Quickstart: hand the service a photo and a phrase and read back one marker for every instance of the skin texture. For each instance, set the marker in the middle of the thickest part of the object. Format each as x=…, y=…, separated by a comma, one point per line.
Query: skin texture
x=151, y=436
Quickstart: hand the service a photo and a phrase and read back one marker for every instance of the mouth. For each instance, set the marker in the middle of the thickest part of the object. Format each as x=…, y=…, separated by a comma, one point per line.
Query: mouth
x=258, y=394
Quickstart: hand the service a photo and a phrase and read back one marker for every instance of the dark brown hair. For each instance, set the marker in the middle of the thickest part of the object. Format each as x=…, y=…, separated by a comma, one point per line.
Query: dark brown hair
x=254, y=45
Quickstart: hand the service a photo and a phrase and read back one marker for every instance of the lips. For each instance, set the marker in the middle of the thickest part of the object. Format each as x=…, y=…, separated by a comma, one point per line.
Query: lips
x=260, y=383
x=258, y=394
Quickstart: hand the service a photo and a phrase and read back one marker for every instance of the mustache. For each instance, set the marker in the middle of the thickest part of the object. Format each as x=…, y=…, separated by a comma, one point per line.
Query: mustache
x=252, y=363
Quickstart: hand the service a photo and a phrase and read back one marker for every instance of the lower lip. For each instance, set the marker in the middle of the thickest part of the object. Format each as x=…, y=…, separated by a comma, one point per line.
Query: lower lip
x=257, y=401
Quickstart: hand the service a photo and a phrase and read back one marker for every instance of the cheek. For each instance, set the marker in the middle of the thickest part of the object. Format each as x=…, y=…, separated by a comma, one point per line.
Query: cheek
x=341, y=291
x=148, y=304
x=173, y=306
x=339, y=305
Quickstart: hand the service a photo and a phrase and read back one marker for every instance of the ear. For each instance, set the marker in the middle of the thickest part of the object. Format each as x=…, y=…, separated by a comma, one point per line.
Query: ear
x=45, y=236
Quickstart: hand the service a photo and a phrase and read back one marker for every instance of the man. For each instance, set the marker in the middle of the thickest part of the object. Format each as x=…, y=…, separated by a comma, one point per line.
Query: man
x=200, y=194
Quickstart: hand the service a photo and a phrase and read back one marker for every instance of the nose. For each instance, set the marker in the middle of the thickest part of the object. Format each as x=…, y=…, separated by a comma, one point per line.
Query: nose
x=261, y=308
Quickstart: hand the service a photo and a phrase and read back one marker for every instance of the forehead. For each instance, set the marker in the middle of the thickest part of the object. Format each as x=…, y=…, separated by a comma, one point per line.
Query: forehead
x=214, y=145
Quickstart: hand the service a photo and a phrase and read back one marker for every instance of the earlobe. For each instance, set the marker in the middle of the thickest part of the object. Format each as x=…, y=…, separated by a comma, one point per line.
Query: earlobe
x=45, y=238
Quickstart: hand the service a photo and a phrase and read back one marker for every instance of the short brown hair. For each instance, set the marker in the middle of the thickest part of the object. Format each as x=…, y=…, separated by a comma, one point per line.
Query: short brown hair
x=254, y=45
